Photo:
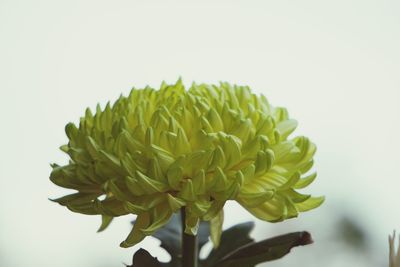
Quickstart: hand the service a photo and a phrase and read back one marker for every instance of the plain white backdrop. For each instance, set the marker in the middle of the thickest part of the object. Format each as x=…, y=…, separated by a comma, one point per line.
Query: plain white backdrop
x=334, y=64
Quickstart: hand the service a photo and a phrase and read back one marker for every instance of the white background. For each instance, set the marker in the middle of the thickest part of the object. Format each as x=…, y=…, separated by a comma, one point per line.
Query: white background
x=334, y=64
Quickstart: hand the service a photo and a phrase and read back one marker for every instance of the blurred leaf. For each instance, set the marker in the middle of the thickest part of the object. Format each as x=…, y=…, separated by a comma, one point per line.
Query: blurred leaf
x=352, y=233
x=142, y=258
x=266, y=250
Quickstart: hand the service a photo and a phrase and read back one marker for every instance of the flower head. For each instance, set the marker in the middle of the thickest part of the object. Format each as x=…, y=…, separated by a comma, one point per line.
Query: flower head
x=157, y=151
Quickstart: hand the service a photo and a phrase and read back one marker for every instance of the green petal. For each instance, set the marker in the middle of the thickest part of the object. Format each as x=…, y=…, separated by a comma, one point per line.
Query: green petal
x=158, y=218
x=215, y=120
x=133, y=186
x=304, y=182
x=155, y=171
x=200, y=207
x=231, y=148
x=292, y=210
x=199, y=183
x=93, y=148
x=216, y=228
x=64, y=148
x=174, y=176
x=134, y=208
x=112, y=162
x=136, y=235
x=271, y=180
x=118, y=189
x=110, y=206
x=273, y=210
x=182, y=143
x=88, y=208
x=71, y=131
x=191, y=224
x=291, y=182
x=221, y=181
x=286, y=127
x=165, y=158
x=264, y=161
x=174, y=203
x=295, y=196
x=105, y=222
x=187, y=192
x=219, y=159
x=149, y=185
x=248, y=173
x=77, y=198
x=131, y=143
x=200, y=160
x=284, y=149
x=243, y=130
x=216, y=206
x=254, y=199
x=311, y=203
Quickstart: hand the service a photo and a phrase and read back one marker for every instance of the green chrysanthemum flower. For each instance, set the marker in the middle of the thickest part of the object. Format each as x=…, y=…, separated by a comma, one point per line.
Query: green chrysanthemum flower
x=157, y=151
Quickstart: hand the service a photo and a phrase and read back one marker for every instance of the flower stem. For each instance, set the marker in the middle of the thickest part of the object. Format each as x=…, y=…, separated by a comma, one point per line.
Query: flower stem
x=189, y=245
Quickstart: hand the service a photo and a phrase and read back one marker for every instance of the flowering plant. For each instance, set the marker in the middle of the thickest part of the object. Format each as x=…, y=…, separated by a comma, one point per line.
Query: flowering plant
x=157, y=152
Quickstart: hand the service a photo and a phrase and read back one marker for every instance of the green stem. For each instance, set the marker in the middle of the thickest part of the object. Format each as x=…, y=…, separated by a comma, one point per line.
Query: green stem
x=190, y=256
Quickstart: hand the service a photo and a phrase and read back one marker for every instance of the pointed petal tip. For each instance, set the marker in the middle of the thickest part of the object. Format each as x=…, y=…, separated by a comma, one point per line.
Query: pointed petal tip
x=53, y=200
x=124, y=244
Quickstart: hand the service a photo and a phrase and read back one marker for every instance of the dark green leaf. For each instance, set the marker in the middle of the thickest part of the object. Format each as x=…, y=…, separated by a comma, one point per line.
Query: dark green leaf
x=142, y=258
x=266, y=250
x=231, y=239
